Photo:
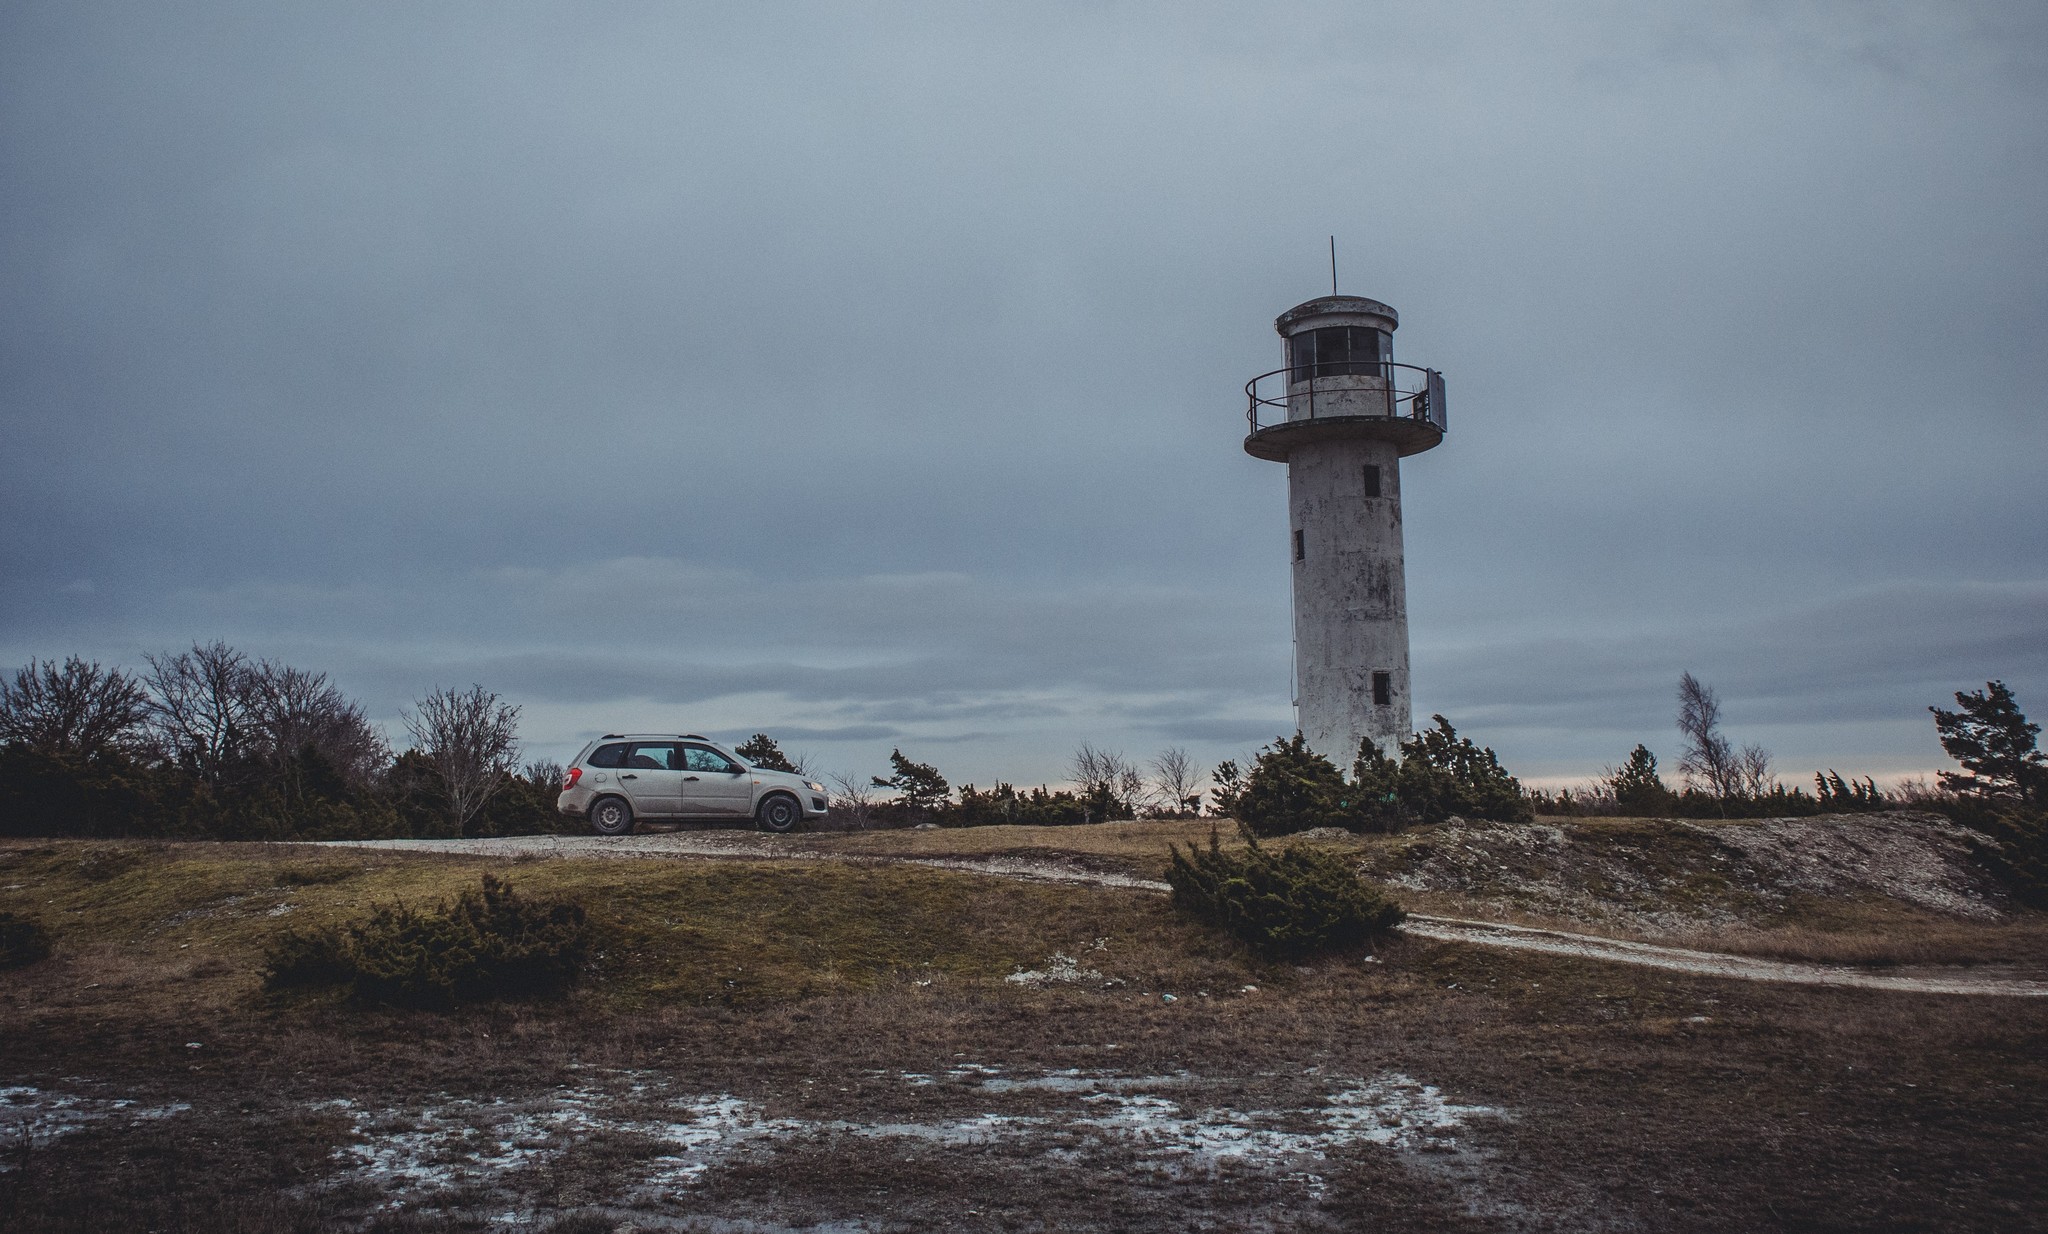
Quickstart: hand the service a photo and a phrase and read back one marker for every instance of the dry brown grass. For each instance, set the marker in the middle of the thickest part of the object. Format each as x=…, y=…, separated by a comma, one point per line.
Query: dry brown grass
x=1641, y=1099
x=1140, y=845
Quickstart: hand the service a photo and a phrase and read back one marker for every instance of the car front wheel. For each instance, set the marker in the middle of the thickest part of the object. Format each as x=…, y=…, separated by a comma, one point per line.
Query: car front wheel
x=611, y=816
x=780, y=814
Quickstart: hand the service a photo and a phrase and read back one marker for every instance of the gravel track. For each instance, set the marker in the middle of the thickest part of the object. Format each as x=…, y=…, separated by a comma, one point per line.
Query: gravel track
x=740, y=845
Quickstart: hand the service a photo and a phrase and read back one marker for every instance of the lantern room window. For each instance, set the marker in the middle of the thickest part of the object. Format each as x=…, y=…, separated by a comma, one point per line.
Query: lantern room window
x=1338, y=351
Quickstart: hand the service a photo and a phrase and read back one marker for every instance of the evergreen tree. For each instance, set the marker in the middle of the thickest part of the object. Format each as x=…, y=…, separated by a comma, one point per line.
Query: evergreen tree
x=1444, y=774
x=1637, y=787
x=1994, y=742
x=1291, y=788
x=761, y=751
x=920, y=784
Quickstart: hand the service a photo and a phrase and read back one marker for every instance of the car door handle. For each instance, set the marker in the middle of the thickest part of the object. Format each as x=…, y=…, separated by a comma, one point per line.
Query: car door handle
x=629, y=777
x=688, y=779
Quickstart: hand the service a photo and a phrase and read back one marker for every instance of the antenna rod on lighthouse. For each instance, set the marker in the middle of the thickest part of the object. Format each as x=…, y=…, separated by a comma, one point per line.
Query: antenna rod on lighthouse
x=1333, y=265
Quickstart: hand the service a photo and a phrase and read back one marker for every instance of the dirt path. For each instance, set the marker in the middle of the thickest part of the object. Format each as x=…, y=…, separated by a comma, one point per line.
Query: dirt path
x=741, y=845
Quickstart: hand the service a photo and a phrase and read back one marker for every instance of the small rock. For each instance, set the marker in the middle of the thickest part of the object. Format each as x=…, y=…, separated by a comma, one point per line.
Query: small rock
x=1247, y=989
x=1168, y=998
x=193, y=1045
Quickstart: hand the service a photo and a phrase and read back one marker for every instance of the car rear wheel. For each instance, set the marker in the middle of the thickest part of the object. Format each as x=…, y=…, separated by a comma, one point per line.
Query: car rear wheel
x=611, y=816
x=780, y=813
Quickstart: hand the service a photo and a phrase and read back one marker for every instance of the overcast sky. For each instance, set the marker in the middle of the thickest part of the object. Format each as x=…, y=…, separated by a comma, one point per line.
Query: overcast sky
x=872, y=374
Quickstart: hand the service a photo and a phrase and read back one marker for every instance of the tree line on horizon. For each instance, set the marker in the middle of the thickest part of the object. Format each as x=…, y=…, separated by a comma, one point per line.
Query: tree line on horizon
x=210, y=743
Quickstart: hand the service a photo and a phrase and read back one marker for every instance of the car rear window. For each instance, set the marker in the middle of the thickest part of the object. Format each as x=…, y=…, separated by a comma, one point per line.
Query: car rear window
x=613, y=755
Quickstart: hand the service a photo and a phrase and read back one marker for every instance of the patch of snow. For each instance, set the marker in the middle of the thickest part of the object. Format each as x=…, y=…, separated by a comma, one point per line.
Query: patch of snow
x=34, y=1118
x=1060, y=969
x=459, y=1142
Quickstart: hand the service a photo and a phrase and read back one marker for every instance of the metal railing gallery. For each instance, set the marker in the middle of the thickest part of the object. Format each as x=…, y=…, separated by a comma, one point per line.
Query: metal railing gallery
x=1405, y=392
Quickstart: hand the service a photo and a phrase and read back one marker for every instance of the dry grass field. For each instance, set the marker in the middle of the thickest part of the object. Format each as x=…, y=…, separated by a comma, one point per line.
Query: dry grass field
x=788, y=1044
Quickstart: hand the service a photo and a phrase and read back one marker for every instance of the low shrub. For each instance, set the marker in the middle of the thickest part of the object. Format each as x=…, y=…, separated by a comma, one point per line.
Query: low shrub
x=308, y=958
x=23, y=940
x=1440, y=774
x=1292, y=788
x=1285, y=904
x=488, y=944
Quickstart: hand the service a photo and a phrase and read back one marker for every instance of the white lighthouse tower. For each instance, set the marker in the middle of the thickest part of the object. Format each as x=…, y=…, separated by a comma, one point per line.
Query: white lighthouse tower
x=1342, y=415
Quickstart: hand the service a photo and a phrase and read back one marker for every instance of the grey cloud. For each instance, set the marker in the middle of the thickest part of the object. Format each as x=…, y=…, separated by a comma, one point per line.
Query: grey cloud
x=787, y=733
x=880, y=368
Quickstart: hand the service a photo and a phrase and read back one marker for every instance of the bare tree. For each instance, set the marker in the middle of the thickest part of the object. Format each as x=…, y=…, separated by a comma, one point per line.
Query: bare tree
x=79, y=710
x=472, y=740
x=1753, y=769
x=199, y=707
x=1709, y=762
x=854, y=800
x=1180, y=779
x=1109, y=774
x=546, y=773
x=290, y=710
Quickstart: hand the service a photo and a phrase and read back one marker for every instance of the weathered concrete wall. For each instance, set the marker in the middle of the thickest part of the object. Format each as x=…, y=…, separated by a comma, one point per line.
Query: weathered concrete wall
x=1350, y=596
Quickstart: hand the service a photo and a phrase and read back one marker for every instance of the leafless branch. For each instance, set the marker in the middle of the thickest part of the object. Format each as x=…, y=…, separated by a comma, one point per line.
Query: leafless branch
x=79, y=709
x=1180, y=779
x=1709, y=762
x=472, y=740
x=199, y=707
x=291, y=709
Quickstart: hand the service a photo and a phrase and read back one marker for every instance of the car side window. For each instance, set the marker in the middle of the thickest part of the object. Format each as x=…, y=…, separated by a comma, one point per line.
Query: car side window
x=654, y=756
x=698, y=758
x=613, y=755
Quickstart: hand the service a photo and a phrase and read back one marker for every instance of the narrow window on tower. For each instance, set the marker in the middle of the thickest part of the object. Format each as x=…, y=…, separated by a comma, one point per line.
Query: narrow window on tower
x=1300, y=547
x=1372, y=479
x=1382, y=689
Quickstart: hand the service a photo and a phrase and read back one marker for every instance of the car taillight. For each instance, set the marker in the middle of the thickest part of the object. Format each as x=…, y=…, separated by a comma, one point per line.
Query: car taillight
x=575, y=774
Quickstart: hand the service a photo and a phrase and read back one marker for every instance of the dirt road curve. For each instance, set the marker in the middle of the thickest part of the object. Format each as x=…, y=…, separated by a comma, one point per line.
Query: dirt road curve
x=747, y=845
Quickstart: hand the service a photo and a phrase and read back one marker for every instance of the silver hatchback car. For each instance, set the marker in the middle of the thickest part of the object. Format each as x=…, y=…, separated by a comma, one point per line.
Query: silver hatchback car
x=623, y=777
